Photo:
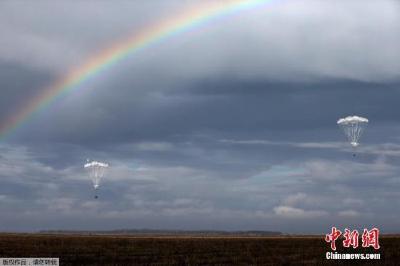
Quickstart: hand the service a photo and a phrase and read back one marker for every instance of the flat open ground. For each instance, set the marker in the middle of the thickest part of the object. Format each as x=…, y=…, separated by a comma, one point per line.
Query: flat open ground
x=186, y=250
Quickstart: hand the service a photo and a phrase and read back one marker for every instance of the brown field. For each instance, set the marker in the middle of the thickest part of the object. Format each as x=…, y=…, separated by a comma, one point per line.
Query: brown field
x=187, y=250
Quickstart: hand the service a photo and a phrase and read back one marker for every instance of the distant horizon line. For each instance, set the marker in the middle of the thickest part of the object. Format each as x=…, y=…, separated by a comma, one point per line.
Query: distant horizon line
x=172, y=232
x=146, y=231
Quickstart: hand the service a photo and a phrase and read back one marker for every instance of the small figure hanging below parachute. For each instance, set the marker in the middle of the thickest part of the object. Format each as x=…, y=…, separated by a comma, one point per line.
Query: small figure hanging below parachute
x=353, y=127
x=96, y=172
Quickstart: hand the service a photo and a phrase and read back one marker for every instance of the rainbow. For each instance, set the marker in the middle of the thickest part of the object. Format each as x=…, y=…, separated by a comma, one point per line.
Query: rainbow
x=95, y=65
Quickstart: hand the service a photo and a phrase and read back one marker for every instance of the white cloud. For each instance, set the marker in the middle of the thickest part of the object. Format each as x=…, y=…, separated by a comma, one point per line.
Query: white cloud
x=383, y=149
x=349, y=214
x=340, y=170
x=295, y=199
x=154, y=146
x=297, y=213
x=353, y=202
x=306, y=145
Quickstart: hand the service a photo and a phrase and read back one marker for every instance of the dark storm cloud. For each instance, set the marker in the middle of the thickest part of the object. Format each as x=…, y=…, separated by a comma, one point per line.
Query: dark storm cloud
x=260, y=109
x=230, y=126
x=18, y=85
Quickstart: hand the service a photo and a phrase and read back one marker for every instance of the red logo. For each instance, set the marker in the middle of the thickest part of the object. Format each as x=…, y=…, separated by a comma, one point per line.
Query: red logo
x=369, y=238
x=332, y=237
x=350, y=238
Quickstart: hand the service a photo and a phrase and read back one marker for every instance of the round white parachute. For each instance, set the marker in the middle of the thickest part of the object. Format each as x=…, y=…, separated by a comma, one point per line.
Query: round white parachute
x=353, y=127
x=96, y=172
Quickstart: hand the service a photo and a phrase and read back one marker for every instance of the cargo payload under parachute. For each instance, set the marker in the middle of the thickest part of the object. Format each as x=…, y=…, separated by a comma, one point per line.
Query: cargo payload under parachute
x=353, y=127
x=96, y=172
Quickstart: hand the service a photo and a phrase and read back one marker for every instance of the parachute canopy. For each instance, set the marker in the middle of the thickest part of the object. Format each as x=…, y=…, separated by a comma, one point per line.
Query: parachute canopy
x=95, y=163
x=353, y=127
x=352, y=119
x=96, y=171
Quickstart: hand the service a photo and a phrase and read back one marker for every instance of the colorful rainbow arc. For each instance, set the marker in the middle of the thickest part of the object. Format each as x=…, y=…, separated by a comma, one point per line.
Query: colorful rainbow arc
x=97, y=64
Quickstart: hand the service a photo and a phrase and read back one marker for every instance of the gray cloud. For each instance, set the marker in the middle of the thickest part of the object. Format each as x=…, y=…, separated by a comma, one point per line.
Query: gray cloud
x=288, y=40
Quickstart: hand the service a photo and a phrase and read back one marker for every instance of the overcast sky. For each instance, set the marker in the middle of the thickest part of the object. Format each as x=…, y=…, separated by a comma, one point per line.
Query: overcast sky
x=230, y=126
